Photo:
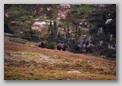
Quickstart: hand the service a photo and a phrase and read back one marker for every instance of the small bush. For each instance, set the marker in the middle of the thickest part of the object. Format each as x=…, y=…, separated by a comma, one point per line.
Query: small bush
x=50, y=45
x=31, y=35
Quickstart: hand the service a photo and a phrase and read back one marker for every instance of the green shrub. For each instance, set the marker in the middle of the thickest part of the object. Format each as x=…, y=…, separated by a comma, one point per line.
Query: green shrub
x=31, y=35
x=50, y=45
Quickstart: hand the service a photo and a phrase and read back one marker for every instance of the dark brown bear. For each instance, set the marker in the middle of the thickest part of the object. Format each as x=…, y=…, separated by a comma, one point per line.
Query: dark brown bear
x=42, y=45
x=62, y=47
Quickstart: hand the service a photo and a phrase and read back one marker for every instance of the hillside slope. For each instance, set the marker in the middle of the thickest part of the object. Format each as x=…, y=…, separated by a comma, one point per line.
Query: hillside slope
x=26, y=62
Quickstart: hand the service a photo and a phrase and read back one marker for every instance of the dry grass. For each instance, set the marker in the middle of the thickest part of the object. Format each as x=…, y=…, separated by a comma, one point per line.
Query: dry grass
x=31, y=73
x=25, y=62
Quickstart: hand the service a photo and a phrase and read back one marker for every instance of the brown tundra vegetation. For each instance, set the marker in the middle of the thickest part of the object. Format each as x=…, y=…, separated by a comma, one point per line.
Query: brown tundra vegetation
x=26, y=62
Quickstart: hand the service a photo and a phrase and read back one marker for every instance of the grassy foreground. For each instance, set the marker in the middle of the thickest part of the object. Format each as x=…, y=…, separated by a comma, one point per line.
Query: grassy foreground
x=27, y=62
